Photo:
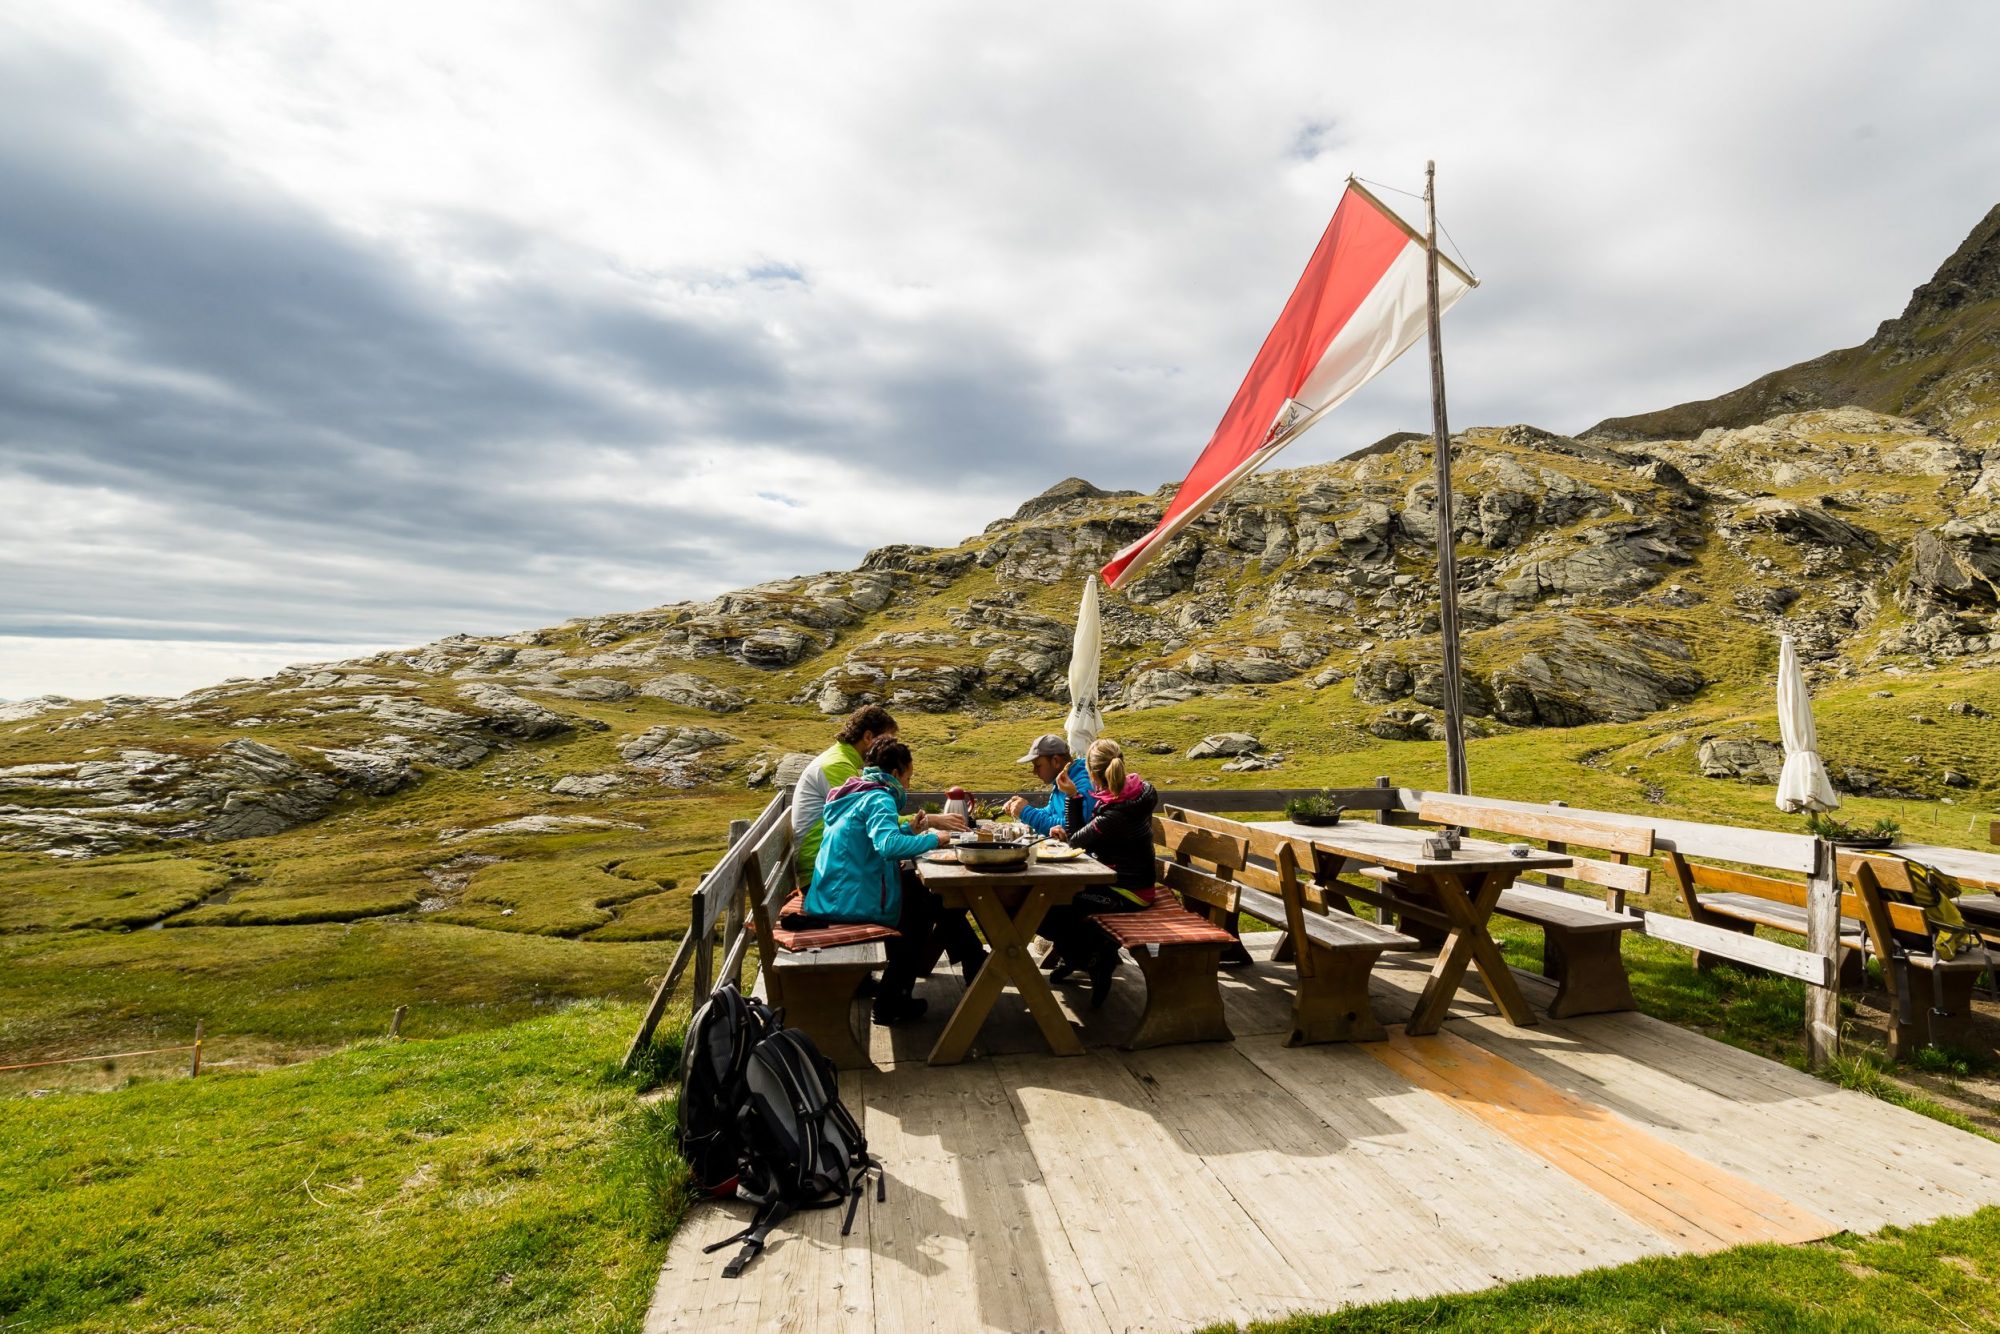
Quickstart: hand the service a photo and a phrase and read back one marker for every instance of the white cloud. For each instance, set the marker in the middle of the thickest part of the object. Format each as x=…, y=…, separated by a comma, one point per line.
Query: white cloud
x=92, y=668
x=378, y=320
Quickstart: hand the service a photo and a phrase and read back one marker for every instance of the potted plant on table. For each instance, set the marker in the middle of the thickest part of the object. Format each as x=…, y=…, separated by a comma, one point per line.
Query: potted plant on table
x=1317, y=809
x=1878, y=834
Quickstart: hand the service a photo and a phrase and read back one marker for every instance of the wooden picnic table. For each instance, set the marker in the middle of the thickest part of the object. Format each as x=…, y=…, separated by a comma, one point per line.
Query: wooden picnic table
x=1462, y=894
x=1009, y=907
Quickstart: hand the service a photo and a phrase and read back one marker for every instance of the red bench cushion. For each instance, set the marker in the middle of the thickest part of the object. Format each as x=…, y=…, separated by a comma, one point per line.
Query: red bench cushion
x=825, y=937
x=1165, y=923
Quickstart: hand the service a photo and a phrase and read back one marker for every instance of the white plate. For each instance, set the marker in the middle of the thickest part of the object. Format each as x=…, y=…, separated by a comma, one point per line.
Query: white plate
x=1057, y=852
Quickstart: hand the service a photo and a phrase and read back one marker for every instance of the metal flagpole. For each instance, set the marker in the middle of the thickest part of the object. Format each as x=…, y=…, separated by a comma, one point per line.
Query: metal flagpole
x=1454, y=712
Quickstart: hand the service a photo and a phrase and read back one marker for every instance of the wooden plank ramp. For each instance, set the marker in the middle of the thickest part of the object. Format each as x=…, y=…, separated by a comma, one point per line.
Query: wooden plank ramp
x=1229, y=1182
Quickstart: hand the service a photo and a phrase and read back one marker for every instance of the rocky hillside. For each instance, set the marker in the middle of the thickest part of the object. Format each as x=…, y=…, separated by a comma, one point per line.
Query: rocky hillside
x=1934, y=362
x=1637, y=575
x=1601, y=584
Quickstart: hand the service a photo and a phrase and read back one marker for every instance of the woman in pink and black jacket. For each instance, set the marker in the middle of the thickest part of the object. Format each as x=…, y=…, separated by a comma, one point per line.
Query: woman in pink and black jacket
x=1119, y=833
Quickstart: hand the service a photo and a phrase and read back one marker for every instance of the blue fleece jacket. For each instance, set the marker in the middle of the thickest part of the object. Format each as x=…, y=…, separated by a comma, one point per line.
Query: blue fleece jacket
x=1055, y=810
x=855, y=878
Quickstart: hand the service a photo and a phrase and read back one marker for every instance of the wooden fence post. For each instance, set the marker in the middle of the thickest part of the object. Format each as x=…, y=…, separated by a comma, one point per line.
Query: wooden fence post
x=1385, y=815
x=194, y=1067
x=739, y=897
x=701, y=923
x=1823, y=939
x=396, y=1021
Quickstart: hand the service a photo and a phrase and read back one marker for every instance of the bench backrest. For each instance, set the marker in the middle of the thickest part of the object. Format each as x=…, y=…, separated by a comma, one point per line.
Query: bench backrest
x=1267, y=859
x=1200, y=861
x=1228, y=847
x=1259, y=863
x=769, y=879
x=1879, y=884
x=1617, y=877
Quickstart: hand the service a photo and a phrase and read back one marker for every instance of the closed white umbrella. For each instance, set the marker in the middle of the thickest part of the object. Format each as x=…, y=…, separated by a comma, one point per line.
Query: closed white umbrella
x=1804, y=785
x=1085, y=722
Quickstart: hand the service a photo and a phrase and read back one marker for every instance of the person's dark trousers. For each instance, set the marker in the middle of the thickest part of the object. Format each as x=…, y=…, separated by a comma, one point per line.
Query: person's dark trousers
x=924, y=926
x=1076, y=937
x=912, y=947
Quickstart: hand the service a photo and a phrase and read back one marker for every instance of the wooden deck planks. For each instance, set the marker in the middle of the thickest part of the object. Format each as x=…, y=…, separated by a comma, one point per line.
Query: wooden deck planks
x=1188, y=1185
x=1857, y=1160
x=1327, y=1220
x=1853, y=1159
x=1162, y=1242
x=968, y=1237
x=1512, y=1213
x=1687, y=1200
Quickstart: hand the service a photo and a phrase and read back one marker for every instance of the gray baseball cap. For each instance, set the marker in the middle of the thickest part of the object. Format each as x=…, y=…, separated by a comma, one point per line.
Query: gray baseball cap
x=1049, y=743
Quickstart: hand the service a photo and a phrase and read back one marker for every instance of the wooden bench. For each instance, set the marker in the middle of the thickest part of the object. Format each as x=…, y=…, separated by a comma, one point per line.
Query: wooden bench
x=1333, y=950
x=1741, y=901
x=1581, y=949
x=813, y=976
x=1938, y=1010
x=1178, y=952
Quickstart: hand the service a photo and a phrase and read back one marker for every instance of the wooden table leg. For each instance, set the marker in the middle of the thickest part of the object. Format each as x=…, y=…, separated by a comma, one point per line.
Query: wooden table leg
x=1026, y=976
x=1007, y=960
x=1469, y=943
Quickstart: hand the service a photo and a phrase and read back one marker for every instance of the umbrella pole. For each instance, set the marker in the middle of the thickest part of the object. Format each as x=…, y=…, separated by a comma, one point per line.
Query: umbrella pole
x=1447, y=556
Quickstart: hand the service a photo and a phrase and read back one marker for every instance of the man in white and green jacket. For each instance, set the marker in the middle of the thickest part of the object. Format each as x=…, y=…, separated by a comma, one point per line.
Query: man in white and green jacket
x=836, y=765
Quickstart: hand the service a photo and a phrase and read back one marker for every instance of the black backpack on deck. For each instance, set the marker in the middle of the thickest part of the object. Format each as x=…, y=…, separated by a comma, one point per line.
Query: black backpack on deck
x=795, y=1145
x=720, y=1038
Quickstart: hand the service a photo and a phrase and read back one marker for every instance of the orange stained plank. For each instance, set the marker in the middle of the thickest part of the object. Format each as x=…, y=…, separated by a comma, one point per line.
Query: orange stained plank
x=1692, y=1202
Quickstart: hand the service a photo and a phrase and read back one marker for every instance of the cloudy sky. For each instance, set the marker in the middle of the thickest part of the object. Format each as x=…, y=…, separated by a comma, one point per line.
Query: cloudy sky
x=335, y=327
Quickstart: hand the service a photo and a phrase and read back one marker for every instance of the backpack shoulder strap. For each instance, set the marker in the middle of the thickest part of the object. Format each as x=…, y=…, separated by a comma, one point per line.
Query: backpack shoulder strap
x=769, y=1216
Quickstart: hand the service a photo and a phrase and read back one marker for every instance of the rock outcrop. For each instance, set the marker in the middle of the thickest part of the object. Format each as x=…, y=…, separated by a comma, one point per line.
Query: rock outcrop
x=691, y=691
x=1590, y=672
x=1741, y=757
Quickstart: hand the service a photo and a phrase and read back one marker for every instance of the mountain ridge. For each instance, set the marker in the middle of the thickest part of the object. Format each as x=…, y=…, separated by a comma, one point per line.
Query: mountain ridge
x=1933, y=362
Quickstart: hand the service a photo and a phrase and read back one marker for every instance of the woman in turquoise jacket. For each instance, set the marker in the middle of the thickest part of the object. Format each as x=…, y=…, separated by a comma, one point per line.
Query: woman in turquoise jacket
x=857, y=877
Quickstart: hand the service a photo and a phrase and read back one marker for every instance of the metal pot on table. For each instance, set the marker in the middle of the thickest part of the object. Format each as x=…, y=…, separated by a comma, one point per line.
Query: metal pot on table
x=995, y=848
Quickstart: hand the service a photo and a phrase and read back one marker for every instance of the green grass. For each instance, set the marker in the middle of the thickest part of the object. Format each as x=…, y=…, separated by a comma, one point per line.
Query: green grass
x=305, y=988
x=525, y=896
x=493, y=1181
x=298, y=910
x=1867, y=1072
x=1941, y=1276
x=110, y=893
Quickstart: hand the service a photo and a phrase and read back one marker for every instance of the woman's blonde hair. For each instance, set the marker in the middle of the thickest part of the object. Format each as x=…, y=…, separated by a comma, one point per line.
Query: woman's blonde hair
x=1105, y=762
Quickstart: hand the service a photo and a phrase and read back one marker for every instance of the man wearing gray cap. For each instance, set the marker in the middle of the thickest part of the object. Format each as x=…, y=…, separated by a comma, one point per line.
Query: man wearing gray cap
x=1051, y=758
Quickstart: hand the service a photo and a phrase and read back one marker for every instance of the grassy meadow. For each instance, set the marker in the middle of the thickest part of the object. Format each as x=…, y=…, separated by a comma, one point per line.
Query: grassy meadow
x=492, y=1181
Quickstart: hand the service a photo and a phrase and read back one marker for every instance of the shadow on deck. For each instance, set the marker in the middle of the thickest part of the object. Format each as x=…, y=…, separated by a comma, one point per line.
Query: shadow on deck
x=1183, y=1186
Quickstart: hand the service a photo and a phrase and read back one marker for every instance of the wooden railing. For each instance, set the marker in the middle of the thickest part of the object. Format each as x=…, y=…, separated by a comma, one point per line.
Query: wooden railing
x=1383, y=798
x=720, y=897
x=1817, y=965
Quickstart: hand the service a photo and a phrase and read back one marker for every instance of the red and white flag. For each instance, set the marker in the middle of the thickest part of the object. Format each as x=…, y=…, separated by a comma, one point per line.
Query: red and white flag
x=1359, y=305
